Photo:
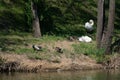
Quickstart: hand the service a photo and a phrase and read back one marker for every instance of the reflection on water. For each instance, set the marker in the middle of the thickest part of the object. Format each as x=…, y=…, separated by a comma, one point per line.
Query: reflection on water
x=81, y=75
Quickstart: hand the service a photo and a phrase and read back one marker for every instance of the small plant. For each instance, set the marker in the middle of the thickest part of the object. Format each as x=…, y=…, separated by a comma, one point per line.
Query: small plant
x=2, y=60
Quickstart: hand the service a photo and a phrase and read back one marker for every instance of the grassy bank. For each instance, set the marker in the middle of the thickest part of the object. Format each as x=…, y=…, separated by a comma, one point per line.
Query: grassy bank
x=16, y=53
x=22, y=44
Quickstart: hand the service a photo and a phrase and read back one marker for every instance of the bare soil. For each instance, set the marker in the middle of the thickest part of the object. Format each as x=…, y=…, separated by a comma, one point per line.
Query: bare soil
x=14, y=62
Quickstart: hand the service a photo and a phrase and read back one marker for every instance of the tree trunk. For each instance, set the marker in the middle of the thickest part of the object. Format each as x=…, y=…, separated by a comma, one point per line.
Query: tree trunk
x=36, y=23
x=100, y=23
x=110, y=28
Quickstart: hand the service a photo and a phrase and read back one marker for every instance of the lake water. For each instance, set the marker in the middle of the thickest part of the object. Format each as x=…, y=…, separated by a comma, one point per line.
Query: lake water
x=77, y=75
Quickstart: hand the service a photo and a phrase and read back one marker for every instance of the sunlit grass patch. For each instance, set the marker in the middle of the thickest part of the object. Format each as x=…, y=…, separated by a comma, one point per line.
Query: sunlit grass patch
x=23, y=51
x=48, y=38
x=90, y=50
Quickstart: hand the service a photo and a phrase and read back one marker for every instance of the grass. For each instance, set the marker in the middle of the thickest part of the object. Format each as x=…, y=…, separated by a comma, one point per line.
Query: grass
x=49, y=38
x=22, y=44
x=23, y=51
x=90, y=50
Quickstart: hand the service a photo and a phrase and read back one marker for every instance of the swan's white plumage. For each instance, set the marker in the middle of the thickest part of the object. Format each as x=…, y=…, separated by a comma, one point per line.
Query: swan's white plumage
x=89, y=25
x=85, y=39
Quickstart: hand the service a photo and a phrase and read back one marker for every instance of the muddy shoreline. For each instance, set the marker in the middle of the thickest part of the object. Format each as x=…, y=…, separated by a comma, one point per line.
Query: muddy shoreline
x=21, y=63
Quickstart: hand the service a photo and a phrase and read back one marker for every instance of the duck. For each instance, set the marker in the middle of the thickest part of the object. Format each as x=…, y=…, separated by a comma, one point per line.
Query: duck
x=59, y=50
x=37, y=48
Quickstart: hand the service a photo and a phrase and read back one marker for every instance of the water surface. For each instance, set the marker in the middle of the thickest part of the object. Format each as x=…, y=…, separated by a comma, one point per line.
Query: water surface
x=77, y=75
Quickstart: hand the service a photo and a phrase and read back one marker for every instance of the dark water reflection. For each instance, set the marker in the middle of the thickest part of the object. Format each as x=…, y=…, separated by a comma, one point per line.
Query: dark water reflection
x=79, y=75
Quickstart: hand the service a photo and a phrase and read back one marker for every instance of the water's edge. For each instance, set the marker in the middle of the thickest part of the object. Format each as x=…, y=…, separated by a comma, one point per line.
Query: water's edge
x=20, y=63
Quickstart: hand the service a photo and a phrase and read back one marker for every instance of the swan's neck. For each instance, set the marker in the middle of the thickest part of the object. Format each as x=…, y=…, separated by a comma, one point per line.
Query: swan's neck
x=92, y=23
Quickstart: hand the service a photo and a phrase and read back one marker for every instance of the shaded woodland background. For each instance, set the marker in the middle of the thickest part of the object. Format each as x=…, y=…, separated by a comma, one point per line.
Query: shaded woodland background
x=58, y=17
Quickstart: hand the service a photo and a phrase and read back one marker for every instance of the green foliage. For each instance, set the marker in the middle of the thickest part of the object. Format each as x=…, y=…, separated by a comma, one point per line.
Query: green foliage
x=28, y=15
x=77, y=30
x=11, y=16
x=56, y=16
x=60, y=15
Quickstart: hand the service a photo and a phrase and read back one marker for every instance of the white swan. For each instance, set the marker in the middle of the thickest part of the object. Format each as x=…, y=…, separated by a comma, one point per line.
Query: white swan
x=85, y=39
x=89, y=25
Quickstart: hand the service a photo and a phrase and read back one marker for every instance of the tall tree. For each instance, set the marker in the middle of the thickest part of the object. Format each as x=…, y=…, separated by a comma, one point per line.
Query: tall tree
x=36, y=22
x=100, y=22
x=108, y=37
x=104, y=40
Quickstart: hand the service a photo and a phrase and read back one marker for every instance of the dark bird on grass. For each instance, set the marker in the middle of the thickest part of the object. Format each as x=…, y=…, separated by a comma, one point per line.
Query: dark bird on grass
x=59, y=50
x=37, y=48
